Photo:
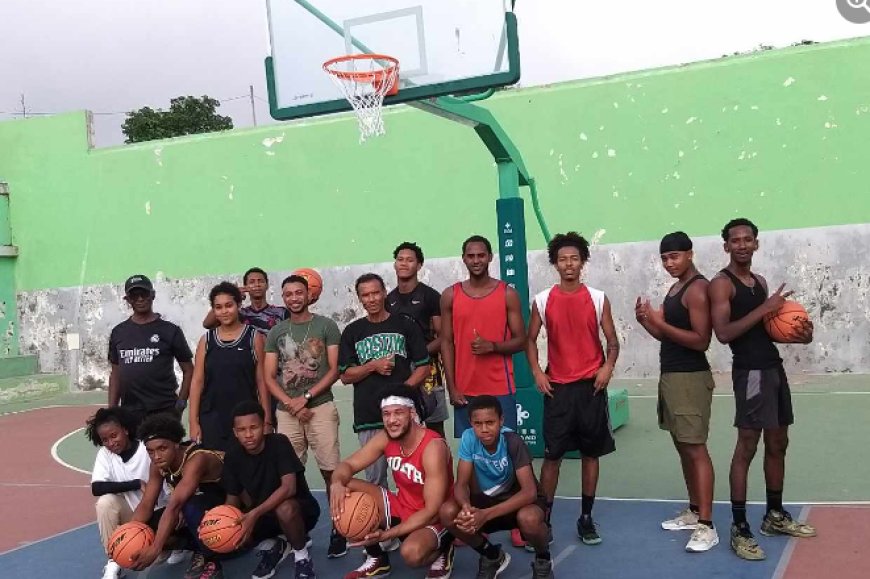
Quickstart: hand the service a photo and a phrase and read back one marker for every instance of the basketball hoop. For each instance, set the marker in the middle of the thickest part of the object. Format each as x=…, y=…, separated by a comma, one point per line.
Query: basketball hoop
x=365, y=79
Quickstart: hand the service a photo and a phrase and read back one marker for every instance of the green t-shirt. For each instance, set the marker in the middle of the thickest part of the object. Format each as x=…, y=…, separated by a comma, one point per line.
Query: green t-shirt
x=302, y=359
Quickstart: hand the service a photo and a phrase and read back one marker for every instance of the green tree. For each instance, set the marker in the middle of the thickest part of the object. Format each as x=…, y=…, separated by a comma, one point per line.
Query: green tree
x=187, y=115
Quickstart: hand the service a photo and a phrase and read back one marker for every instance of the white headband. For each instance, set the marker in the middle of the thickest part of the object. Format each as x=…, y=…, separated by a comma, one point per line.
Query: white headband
x=397, y=401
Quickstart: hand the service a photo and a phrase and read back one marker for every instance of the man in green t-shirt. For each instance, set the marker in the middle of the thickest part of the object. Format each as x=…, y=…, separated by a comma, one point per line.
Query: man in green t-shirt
x=301, y=366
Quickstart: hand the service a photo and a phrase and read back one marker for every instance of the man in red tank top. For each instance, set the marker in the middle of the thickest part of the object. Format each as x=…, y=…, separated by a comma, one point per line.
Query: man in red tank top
x=482, y=326
x=574, y=385
x=422, y=469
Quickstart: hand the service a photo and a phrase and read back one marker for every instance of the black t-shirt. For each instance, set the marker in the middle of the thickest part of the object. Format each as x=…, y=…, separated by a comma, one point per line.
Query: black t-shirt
x=260, y=474
x=420, y=305
x=144, y=354
x=363, y=341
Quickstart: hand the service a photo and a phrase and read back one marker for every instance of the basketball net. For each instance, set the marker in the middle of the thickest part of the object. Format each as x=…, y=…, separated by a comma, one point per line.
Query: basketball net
x=365, y=79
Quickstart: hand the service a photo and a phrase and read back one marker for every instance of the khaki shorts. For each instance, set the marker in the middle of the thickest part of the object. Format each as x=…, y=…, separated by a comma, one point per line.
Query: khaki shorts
x=320, y=434
x=684, y=405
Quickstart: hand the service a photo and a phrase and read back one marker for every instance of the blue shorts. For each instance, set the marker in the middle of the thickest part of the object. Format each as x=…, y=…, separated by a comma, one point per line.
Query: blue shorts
x=508, y=405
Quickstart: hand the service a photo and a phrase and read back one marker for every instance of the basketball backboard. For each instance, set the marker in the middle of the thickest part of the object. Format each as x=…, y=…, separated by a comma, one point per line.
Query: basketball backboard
x=443, y=47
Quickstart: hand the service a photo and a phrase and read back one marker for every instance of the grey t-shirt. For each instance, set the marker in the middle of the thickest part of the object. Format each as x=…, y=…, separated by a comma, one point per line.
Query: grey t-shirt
x=302, y=358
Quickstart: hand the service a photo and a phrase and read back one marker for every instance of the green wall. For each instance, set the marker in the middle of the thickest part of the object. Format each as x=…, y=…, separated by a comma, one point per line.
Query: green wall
x=779, y=136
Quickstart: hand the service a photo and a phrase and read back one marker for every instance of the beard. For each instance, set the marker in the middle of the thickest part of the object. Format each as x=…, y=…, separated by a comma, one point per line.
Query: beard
x=401, y=434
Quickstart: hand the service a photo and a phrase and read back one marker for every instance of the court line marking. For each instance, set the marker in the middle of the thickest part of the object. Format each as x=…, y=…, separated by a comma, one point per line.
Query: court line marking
x=44, y=539
x=724, y=395
x=44, y=485
x=684, y=501
x=785, y=558
x=48, y=407
x=61, y=461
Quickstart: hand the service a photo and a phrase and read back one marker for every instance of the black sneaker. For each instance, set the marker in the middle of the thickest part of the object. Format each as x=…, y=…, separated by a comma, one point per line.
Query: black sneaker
x=542, y=569
x=197, y=564
x=337, y=545
x=587, y=530
x=212, y=570
x=271, y=558
x=491, y=568
x=305, y=569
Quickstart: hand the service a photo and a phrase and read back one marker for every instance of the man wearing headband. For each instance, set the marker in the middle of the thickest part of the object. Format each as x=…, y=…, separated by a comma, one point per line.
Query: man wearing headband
x=574, y=384
x=422, y=470
x=193, y=474
x=739, y=301
x=683, y=327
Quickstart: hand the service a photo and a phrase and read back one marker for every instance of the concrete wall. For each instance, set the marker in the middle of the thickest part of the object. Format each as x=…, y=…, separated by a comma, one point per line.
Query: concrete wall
x=776, y=136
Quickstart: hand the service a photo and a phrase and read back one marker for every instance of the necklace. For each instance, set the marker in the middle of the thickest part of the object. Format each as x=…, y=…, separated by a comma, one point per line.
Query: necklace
x=407, y=454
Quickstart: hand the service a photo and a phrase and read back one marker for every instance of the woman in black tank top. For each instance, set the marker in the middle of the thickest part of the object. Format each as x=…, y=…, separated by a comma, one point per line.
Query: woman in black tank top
x=227, y=371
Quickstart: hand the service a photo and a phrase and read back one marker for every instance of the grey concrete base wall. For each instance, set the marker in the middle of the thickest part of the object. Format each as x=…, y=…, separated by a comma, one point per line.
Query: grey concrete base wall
x=826, y=267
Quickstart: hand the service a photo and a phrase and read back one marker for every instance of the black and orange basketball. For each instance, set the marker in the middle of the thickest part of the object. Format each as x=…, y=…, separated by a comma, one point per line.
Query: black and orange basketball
x=315, y=282
x=220, y=530
x=127, y=540
x=360, y=516
x=782, y=324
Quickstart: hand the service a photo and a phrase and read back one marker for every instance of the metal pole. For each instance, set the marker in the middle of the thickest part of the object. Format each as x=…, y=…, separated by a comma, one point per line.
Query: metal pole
x=253, y=108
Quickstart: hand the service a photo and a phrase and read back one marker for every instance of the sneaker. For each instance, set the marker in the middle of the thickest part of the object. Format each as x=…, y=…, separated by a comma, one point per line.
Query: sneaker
x=491, y=568
x=212, y=570
x=391, y=545
x=587, y=530
x=196, y=567
x=270, y=559
x=703, y=539
x=112, y=570
x=542, y=569
x=372, y=567
x=744, y=544
x=517, y=539
x=337, y=545
x=685, y=520
x=176, y=557
x=781, y=523
x=531, y=549
x=305, y=569
x=442, y=567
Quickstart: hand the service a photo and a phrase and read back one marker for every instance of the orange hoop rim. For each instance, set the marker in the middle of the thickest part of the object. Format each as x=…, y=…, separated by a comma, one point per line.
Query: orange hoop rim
x=369, y=77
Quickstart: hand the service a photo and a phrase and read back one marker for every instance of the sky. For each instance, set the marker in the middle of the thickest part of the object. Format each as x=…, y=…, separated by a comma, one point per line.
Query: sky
x=111, y=56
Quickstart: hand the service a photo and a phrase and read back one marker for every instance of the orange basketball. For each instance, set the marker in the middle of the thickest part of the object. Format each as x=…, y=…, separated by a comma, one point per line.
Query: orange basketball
x=315, y=282
x=127, y=541
x=220, y=530
x=781, y=325
x=359, y=518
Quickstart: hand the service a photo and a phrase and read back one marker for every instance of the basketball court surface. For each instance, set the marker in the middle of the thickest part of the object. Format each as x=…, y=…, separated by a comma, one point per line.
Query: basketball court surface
x=48, y=508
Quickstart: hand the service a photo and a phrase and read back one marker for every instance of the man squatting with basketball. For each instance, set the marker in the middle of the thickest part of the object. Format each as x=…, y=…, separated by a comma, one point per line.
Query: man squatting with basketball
x=682, y=325
x=739, y=302
x=496, y=490
x=576, y=414
x=422, y=469
x=194, y=476
x=264, y=469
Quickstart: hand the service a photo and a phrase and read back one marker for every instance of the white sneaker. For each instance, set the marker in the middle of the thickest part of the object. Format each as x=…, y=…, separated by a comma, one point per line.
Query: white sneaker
x=112, y=570
x=703, y=539
x=176, y=557
x=685, y=520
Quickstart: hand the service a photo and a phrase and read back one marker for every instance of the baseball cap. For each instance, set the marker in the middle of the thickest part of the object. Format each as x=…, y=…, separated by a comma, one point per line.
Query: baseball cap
x=137, y=281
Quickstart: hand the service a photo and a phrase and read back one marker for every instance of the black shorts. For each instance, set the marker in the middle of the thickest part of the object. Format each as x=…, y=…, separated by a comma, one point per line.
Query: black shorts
x=576, y=418
x=504, y=522
x=268, y=526
x=762, y=398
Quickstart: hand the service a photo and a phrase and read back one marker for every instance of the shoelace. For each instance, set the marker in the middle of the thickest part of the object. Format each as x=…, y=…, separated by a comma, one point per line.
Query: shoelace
x=370, y=562
x=440, y=563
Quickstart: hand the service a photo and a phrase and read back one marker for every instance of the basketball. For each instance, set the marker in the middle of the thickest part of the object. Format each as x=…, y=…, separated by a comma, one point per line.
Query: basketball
x=127, y=541
x=315, y=282
x=781, y=324
x=220, y=529
x=359, y=518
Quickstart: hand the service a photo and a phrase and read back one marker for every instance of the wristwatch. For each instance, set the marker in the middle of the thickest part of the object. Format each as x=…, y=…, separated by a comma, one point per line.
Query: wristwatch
x=307, y=396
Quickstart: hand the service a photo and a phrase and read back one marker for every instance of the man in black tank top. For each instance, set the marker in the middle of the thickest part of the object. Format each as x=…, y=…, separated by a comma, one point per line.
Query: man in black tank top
x=194, y=475
x=739, y=302
x=683, y=327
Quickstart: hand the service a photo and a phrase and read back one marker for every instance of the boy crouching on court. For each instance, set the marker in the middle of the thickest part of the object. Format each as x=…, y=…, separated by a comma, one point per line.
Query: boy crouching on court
x=496, y=490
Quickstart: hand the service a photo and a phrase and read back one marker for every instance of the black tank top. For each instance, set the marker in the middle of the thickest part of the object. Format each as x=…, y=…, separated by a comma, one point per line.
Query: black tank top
x=230, y=375
x=754, y=350
x=675, y=357
x=211, y=489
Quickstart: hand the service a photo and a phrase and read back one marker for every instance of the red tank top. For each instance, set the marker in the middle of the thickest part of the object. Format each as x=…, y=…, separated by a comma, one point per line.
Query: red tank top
x=409, y=474
x=573, y=343
x=476, y=375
